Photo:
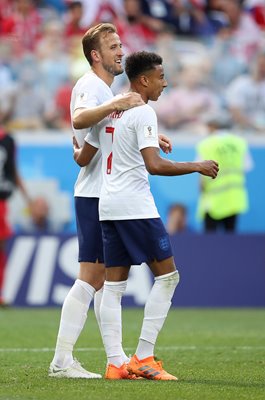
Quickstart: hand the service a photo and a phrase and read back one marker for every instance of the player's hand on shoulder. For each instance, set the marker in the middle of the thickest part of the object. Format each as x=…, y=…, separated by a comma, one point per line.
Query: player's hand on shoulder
x=165, y=143
x=209, y=168
x=127, y=100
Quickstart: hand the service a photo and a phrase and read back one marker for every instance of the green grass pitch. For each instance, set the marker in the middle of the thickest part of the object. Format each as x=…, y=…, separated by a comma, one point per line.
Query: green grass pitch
x=218, y=354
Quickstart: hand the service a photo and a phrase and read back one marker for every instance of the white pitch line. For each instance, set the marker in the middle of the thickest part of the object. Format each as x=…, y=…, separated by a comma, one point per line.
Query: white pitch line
x=161, y=348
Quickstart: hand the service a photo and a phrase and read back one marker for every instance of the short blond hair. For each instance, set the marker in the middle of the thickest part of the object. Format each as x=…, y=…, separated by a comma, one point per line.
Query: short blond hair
x=91, y=39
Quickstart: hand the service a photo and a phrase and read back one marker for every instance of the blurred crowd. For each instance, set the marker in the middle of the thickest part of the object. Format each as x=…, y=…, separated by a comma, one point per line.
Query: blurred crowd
x=213, y=52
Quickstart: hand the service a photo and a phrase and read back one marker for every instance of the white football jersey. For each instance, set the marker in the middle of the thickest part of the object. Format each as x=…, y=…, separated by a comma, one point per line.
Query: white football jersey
x=125, y=193
x=89, y=91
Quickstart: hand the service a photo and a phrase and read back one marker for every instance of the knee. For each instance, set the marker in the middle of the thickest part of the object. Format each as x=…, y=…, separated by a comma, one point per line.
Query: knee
x=172, y=279
x=99, y=284
x=94, y=278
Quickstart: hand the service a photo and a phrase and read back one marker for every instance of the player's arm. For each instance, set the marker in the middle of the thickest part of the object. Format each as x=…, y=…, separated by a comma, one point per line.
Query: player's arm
x=157, y=165
x=87, y=117
x=83, y=155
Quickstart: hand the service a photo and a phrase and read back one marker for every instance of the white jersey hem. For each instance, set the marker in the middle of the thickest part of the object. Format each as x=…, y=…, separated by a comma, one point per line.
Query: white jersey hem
x=128, y=217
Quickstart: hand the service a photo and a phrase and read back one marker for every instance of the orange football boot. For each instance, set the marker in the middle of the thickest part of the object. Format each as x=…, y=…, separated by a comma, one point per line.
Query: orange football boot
x=149, y=368
x=113, y=372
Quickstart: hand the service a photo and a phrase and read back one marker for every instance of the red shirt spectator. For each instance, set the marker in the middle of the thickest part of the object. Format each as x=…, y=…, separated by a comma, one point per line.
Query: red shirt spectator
x=24, y=25
x=73, y=20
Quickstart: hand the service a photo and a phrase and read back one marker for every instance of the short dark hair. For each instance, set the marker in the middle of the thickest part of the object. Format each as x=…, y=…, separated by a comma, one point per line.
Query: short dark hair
x=91, y=39
x=141, y=61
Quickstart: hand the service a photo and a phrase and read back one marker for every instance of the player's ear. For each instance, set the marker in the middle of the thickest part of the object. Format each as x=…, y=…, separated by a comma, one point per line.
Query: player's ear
x=144, y=80
x=95, y=55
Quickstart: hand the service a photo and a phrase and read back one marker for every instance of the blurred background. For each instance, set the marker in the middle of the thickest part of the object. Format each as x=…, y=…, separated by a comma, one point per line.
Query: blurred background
x=214, y=59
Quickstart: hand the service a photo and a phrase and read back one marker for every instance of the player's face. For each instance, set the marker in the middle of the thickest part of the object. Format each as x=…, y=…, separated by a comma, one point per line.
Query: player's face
x=157, y=83
x=111, y=54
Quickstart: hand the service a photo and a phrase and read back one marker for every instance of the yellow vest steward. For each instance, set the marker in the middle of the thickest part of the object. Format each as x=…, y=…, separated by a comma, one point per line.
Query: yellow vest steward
x=225, y=195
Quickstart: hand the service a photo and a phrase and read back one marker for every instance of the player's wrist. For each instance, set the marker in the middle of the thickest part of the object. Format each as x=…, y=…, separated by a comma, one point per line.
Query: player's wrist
x=197, y=166
x=111, y=106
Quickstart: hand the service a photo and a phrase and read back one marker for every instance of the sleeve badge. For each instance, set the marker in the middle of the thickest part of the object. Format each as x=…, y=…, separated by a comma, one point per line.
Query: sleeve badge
x=149, y=131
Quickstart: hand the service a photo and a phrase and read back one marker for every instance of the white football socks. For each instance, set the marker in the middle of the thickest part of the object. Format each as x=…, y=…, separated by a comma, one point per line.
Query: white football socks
x=155, y=312
x=73, y=318
x=111, y=322
x=97, y=305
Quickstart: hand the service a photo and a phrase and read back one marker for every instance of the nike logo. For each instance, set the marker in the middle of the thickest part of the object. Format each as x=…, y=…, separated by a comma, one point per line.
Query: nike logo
x=55, y=371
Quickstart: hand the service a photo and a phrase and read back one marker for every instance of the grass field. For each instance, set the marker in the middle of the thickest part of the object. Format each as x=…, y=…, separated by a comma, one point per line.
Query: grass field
x=217, y=354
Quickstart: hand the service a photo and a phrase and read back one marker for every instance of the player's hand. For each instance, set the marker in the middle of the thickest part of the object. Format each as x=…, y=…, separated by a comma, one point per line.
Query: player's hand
x=165, y=143
x=75, y=144
x=76, y=148
x=209, y=168
x=126, y=101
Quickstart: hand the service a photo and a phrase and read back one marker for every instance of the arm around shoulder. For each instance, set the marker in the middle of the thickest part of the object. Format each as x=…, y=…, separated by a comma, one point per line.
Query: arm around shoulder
x=84, y=118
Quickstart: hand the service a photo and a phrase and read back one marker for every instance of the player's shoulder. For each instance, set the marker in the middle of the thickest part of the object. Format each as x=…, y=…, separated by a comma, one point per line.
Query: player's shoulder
x=86, y=80
x=90, y=80
x=144, y=109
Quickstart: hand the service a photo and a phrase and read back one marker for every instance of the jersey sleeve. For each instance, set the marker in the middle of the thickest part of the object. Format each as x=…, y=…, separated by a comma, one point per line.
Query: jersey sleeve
x=146, y=127
x=86, y=96
x=93, y=138
x=85, y=100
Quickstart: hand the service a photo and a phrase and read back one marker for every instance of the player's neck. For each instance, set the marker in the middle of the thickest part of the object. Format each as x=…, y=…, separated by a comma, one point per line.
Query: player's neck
x=138, y=89
x=104, y=75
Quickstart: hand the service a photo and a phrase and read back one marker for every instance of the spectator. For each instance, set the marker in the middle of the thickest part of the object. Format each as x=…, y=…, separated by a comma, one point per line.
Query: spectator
x=134, y=33
x=73, y=20
x=186, y=18
x=53, y=59
x=189, y=19
x=223, y=199
x=38, y=221
x=217, y=18
x=29, y=103
x=9, y=179
x=177, y=219
x=236, y=44
x=245, y=98
x=23, y=26
x=156, y=14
